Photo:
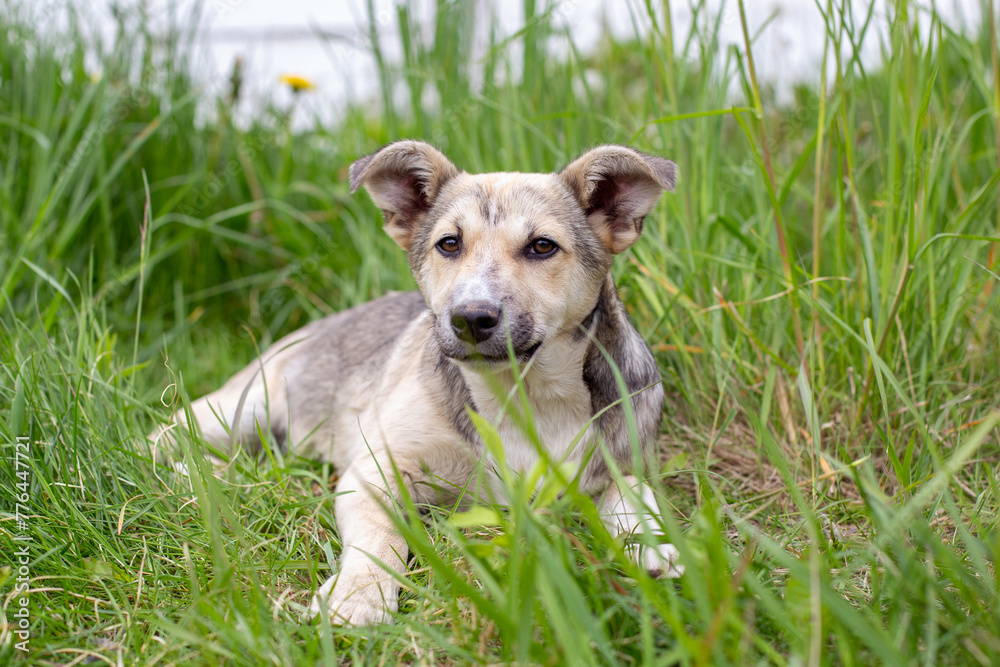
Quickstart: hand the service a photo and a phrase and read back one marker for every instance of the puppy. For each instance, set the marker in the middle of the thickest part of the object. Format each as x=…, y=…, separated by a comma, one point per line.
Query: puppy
x=507, y=264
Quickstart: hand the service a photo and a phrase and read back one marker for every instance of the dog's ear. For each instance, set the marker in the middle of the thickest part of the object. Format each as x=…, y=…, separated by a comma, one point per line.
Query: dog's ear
x=403, y=180
x=617, y=186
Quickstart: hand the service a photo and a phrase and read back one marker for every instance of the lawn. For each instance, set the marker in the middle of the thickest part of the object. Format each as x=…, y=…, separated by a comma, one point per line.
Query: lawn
x=822, y=294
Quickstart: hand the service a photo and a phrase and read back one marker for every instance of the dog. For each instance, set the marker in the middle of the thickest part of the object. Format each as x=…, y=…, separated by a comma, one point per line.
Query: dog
x=514, y=277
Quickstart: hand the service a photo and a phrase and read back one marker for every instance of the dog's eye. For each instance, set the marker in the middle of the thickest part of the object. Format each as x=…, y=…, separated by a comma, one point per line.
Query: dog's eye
x=449, y=245
x=542, y=247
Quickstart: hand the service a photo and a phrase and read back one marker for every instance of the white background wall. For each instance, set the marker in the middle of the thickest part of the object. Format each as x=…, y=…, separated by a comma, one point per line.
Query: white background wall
x=275, y=37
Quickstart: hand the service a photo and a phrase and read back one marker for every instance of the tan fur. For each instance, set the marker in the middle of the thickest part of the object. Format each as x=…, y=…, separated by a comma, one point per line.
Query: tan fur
x=386, y=385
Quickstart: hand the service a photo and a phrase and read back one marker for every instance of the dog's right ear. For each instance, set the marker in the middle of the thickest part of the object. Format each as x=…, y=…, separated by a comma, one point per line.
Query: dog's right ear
x=403, y=180
x=617, y=186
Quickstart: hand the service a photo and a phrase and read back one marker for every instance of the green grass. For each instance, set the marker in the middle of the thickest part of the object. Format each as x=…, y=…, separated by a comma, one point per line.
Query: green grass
x=822, y=294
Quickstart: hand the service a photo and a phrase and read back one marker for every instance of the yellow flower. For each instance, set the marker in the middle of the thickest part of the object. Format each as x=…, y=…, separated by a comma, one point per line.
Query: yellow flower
x=298, y=83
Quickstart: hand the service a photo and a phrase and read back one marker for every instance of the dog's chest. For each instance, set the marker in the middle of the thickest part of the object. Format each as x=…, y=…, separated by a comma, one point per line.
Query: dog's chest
x=560, y=409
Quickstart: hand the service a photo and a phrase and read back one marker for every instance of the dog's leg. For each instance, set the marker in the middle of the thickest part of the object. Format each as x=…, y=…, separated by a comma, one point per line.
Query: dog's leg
x=363, y=592
x=630, y=512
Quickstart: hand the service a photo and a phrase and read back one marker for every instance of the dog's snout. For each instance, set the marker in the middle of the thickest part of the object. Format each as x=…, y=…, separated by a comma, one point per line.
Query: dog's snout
x=475, y=321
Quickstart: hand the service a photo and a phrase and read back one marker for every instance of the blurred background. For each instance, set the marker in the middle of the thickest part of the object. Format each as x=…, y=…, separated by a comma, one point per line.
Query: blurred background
x=327, y=42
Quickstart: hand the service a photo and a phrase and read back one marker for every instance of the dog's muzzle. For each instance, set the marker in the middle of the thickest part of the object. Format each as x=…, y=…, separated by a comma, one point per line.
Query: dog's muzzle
x=478, y=331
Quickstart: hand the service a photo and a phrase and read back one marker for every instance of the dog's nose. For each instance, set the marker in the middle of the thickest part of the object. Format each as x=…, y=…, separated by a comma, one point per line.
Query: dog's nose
x=475, y=321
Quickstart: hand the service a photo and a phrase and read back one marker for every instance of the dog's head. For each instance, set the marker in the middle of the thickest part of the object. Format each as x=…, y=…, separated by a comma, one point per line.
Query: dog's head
x=510, y=252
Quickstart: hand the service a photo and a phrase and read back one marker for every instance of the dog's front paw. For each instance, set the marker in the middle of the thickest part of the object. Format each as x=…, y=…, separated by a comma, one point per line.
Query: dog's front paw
x=354, y=602
x=352, y=611
x=660, y=561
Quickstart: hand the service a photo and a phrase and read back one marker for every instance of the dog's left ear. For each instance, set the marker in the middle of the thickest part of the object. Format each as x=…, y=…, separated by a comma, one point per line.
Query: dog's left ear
x=617, y=186
x=403, y=178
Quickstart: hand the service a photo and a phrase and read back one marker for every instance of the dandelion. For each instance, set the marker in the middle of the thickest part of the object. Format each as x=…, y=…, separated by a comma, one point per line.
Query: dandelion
x=297, y=83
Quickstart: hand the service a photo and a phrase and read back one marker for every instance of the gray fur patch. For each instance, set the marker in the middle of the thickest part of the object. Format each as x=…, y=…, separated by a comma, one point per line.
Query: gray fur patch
x=441, y=374
x=635, y=361
x=353, y=343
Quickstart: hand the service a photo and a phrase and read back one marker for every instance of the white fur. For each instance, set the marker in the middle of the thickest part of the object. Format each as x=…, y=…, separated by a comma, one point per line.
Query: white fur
x=630, y=512
x=475, y=288
x=559, y=400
